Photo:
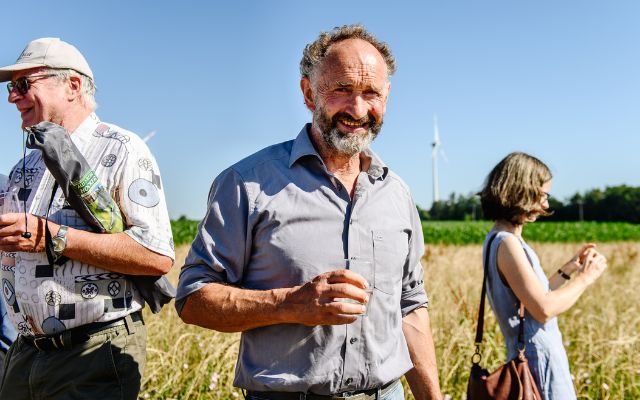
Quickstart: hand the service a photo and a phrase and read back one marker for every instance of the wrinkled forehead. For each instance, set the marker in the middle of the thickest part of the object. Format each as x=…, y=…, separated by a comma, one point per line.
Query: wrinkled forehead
x=354, y=54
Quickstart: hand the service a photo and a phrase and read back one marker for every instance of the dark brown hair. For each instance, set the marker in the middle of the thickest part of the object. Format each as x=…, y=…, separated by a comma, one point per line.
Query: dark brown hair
x=513, y=189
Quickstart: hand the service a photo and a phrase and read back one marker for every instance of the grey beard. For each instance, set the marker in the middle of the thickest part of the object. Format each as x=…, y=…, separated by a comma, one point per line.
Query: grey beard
x=346, y=144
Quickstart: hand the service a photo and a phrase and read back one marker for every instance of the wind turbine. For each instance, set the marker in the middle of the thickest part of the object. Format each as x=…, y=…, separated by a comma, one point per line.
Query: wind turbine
x=435, y=149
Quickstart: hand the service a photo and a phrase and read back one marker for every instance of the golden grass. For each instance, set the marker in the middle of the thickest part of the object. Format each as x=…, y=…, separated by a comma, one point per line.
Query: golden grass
x=601, y=332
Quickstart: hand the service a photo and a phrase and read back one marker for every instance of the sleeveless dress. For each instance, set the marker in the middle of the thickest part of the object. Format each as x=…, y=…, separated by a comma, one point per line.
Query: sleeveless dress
x=544, y=349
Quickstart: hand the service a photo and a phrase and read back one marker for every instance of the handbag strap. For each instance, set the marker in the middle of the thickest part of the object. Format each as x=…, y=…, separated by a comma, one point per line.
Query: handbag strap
x=480, y=326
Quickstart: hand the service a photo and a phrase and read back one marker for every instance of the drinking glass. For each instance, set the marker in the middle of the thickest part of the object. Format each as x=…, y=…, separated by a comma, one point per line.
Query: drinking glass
x=9, y=202
x=364, y=268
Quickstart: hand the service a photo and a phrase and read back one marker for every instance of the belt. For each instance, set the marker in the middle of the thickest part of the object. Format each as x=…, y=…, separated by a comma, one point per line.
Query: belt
x=368, y=394
x=77, y=335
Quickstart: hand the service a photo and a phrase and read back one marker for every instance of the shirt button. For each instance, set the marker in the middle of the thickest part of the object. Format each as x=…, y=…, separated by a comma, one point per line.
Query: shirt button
x=353, y=340
x=348, y=381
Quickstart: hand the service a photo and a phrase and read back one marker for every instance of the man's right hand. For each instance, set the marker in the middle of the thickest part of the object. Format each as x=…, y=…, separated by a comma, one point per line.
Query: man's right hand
x=314, y=302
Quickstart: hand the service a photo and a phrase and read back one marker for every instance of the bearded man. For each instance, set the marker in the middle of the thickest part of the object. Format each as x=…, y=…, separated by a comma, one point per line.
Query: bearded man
x=269, y=257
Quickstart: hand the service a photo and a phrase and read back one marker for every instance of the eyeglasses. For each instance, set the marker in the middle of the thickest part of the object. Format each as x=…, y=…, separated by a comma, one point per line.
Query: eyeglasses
x=23, y=83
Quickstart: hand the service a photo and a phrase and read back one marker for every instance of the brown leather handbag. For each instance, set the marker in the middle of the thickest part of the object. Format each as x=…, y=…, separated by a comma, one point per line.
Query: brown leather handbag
x=511, y=381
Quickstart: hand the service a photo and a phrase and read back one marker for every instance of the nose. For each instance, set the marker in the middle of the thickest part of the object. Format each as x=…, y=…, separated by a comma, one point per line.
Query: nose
x=357, y=106
x=13, y=95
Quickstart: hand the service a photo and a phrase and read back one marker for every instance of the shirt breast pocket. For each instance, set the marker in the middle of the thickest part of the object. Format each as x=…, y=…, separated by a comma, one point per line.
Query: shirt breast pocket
x=390, y=250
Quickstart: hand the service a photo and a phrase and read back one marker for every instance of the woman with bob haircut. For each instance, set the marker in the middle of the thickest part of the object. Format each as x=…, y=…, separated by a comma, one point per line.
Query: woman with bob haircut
x=516, y=192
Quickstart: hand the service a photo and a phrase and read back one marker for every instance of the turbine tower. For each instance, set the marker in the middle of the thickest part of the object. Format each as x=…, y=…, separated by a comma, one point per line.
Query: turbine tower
x=435, y=146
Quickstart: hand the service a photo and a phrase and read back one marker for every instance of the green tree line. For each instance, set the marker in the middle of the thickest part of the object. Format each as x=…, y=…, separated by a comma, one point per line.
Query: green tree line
x=613, y=204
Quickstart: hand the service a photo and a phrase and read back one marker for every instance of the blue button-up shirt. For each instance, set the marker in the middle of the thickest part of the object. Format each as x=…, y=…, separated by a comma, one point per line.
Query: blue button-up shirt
x=278, y=219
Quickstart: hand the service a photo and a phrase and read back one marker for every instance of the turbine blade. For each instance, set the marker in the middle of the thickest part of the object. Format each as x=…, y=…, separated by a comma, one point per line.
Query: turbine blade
x=149, y=136
x=444, y=156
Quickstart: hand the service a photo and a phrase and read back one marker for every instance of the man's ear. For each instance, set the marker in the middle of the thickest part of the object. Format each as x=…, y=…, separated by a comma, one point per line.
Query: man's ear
x=307, y=93
x=74, y=86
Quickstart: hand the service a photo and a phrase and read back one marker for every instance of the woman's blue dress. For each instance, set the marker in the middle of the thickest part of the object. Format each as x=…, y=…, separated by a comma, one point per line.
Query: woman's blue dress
x=544, y=348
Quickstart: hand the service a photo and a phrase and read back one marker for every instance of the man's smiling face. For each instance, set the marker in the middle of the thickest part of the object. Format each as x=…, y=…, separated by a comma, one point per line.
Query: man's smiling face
x=44, y=101
x=350, y=88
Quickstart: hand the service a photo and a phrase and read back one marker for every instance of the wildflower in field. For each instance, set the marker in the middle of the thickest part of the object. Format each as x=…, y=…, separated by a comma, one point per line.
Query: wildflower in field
x=214, y=381
x=185, y=365
x=605, y=386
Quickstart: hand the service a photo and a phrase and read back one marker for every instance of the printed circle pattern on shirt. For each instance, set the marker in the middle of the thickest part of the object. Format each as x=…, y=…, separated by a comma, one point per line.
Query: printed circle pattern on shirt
x=44, y=300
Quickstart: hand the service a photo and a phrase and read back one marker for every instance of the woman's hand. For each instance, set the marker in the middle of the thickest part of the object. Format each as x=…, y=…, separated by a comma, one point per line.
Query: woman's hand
x=576, y=261
x=592, y=267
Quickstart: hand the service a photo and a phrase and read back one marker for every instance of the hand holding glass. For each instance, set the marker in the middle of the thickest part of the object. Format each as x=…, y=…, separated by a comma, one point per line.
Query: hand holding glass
x=365, y=269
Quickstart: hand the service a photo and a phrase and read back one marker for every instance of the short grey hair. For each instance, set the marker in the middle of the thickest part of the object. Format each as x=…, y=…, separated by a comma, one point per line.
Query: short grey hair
x=314, y=53
x=87, y=88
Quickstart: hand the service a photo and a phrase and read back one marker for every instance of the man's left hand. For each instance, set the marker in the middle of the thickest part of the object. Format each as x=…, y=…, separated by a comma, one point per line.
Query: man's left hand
x=12, y=226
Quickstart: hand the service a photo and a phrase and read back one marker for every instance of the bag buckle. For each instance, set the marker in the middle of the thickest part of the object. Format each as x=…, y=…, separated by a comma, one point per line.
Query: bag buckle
x=41, y=343
x=476, y=357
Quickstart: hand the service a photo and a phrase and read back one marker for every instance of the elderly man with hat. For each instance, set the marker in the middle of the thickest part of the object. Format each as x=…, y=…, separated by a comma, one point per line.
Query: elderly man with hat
x=68, y=289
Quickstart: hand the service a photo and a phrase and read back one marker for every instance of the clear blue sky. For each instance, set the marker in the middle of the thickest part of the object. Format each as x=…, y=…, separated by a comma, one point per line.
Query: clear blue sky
x=220, y=80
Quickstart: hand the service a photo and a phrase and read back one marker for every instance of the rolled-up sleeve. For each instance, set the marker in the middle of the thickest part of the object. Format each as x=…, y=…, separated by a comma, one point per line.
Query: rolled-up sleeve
x=413, y=291
x=220, y=250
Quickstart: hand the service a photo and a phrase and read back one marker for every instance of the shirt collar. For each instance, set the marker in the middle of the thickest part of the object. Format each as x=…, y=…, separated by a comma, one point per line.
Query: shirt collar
x=82, y=135
x=88, y=125
x=302, y=147
x=377, y=168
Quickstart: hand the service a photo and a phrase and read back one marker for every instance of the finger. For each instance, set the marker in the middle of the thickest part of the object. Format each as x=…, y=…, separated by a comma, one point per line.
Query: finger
x=345, y=308
x=588, y=258
x=10, y=230
x=335, y=319
x=600, y=259
x=9, y=219
x=347, y=276
x=10, y=244
x=345, y=290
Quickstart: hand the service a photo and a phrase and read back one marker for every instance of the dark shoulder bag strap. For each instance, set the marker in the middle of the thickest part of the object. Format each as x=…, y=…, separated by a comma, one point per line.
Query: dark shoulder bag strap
x=480, y=325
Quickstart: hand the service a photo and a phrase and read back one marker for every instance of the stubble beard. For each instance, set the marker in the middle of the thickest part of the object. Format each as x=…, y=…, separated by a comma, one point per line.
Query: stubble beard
x=345, y=144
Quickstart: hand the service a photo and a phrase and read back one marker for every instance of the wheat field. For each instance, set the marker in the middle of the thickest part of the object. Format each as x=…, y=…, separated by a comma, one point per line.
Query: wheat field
x=601, y=332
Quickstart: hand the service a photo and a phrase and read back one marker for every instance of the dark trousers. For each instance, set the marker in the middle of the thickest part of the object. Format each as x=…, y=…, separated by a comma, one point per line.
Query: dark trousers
x=109, y=366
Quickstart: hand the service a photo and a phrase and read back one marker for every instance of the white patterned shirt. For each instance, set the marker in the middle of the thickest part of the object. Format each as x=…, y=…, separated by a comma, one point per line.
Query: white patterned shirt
x=47, y=300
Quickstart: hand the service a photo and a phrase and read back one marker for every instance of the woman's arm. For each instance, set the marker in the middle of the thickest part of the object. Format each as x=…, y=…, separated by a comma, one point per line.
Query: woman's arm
x=516, y=269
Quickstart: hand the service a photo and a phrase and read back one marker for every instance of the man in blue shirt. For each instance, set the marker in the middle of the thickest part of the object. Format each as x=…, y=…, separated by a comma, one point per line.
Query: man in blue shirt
x=268, y=260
